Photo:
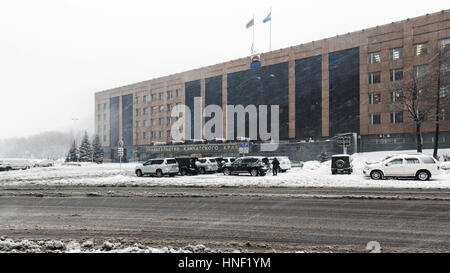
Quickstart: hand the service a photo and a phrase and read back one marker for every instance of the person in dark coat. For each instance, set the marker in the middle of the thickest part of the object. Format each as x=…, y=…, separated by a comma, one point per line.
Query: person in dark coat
x=275, y=166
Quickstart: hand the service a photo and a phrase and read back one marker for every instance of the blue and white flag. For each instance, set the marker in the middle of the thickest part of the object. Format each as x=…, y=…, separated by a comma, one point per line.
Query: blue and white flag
x=268, y=18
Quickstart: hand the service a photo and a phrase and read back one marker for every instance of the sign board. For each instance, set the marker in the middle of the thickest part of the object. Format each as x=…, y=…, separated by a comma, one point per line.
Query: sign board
x=120, y=143
x=243, y=148
x=120, y=152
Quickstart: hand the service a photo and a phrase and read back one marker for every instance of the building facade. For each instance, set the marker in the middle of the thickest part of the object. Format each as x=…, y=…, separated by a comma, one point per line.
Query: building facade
x=323, y=88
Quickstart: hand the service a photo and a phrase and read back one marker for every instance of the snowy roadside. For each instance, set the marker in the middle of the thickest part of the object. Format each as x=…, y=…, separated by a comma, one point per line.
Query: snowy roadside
x=313, y=174
x=54, y=246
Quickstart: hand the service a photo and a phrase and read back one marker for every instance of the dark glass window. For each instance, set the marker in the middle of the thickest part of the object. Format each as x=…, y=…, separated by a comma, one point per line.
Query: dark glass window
x=308, y=97
x=374, y=98
x=374, y=77
x=396, y=74
x=396, y=53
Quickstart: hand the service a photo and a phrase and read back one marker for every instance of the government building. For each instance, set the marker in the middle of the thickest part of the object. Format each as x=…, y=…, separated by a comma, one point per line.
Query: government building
x=344, y=84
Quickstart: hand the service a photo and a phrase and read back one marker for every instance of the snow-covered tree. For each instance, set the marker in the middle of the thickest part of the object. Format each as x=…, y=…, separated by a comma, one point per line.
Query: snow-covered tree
x=97, y=150
x=73, y=153
x=85, y=149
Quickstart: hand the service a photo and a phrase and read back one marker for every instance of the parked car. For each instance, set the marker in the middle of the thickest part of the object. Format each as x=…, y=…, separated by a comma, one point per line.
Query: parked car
x=285, y=163
x=4, y=167
x=18, y=164
x=252, y=165
x=224, y=161
x=416, y=165
x=187, y=165
x=44, y=163
x=341, y=164
x=207, y=165
x=158, y=167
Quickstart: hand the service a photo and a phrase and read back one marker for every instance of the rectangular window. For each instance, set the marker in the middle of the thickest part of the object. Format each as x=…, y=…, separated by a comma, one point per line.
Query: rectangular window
x=145, y=135
x=137, y=135
x=374, y=77
x=396, y=53
x=146, y=123
x=179, y=92
x=374, y=118
x=153, y=122
x=396, y=96
x=153, y=134
x=396, y=74
x=161, y=121
x=161, y=96
x=169, y=120
x=442, y=115
x=444, y=91
x=161, y=108
x=444, y=43
x=154, y=109
x=374, y=57
x=104, y=117
x=104, y=138
x=420, y=49
x=138, y=112
x=144, y=98
x=374, y=98
x=421, y=70
x=104, y=107
x=99, y=106
x=138, y=100
x=169, y=107
x=153, y=97
x=138, y=124
x=169, y=134
x=146, y=111
x=397, y=117
x=169, y=94
x=161, y=134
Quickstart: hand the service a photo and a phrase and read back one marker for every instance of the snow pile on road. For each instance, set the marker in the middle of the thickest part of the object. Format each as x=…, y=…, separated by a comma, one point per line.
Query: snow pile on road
x=55, y=246
x=313, y=174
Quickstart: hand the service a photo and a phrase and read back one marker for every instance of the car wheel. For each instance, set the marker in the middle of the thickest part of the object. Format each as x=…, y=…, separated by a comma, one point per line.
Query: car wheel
x=254, y=172
x=202, y=171
x=139, y=173
x=376, y=175
x=423, y=175
x=333, y=172
x=159, y=173
x=226, y=171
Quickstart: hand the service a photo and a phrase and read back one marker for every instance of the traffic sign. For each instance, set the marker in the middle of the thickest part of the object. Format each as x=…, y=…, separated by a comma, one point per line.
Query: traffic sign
x=120, y=143
x=243, y=148
x=120, y=151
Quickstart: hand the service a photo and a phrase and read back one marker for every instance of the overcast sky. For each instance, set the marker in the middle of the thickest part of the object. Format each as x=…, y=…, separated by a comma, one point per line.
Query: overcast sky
x=55, y=54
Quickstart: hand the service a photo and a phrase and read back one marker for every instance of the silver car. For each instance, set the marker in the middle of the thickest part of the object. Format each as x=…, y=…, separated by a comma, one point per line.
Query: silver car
x=207, y=165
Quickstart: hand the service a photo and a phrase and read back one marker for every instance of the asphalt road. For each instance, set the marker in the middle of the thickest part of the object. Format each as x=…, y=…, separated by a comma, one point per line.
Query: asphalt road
x=248, y=219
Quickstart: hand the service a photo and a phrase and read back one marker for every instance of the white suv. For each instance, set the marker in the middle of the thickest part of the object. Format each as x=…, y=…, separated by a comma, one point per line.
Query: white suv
x=417, y=165
x=207, y=165
x=158, y=167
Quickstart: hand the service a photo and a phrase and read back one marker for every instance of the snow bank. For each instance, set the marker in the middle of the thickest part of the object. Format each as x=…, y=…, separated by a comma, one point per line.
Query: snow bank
x=54, y=246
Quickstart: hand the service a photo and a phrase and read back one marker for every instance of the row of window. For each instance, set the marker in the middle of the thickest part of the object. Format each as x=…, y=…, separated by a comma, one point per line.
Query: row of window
x=99, y=107
x=153, y=122
x=396, y=117
x=397, y=53
x=395, y=96
x=159, y=96
x=398, y=74
x=155, y=109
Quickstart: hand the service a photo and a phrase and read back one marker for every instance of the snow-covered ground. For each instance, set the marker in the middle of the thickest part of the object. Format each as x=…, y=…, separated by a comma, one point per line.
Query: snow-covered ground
x=55, y=246
x=313, y=174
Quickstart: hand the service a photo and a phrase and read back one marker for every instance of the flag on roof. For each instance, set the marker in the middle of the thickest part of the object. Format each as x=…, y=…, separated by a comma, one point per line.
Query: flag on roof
x=268, y=18
x=251, y=23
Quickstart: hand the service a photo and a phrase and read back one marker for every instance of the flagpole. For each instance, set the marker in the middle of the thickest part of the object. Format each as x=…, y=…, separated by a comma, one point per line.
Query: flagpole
x=270, y=31
x=253, y=43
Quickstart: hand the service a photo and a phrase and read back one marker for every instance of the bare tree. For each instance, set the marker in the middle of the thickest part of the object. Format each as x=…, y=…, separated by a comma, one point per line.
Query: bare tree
x=440, y=76
x=418, y=98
